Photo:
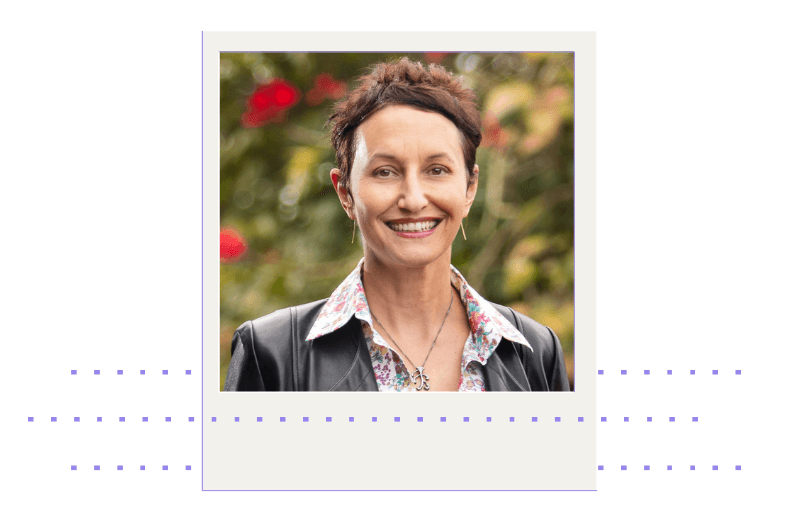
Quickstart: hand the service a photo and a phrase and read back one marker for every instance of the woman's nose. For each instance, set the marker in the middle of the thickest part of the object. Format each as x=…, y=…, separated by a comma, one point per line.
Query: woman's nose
x=412, y=195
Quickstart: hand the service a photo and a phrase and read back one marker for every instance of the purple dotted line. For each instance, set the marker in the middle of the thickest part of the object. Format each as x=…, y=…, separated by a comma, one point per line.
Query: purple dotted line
x=692, y=467
x=351, y=419
x=96, y=467
x=329, y=419
x=600, y=467
x=122, y=419
x=626, y=419
x=122, y=372
x=669, y=372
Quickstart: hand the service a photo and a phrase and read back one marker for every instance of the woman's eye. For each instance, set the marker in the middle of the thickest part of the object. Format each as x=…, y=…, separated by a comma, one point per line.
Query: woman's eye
x=438, y=170
x=383, y=172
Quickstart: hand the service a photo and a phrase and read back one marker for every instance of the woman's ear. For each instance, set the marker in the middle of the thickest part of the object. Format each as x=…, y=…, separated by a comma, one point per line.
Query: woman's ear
x=341, y=192
x=472, y=190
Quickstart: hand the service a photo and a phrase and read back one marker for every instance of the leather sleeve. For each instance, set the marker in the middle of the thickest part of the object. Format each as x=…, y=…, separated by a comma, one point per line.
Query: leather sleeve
x=548, y=356
x=557, y=373
x=269, y=353
x=243, y=372
x=263, y=356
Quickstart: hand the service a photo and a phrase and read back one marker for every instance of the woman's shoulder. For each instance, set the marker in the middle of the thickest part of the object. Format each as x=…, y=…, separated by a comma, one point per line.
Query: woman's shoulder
x=284, y=323
x=546, y=369
x=262, y=349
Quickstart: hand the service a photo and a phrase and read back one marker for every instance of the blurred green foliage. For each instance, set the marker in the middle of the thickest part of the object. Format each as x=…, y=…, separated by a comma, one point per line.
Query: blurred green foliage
x=276, y=191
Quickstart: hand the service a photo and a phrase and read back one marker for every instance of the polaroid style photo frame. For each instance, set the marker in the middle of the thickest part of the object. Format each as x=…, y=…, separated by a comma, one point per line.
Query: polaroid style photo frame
x=339, y=440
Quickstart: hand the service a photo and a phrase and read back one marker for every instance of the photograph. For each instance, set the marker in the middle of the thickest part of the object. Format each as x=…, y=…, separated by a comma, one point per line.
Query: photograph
x=397, y=222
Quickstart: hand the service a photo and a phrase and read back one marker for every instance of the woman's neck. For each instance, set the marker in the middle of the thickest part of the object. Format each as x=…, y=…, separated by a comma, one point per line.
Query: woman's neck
x=410, y=303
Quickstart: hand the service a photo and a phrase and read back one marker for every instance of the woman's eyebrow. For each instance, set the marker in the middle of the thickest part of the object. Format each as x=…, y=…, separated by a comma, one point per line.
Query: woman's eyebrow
x=438, y=155
x=383, y=155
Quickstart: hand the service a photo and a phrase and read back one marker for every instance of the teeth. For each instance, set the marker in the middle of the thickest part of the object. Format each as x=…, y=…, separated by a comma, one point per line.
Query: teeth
x=419, y=226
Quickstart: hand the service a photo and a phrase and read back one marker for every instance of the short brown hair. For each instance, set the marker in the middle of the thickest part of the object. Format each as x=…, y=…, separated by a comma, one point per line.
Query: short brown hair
x=404, y=82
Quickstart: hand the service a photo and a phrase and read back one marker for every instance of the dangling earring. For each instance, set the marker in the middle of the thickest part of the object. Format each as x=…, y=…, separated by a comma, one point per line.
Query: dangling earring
x=462, y=230
x=354, y=232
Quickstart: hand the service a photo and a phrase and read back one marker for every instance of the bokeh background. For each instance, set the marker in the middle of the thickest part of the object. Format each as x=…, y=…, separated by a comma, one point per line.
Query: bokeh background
x=285, y=239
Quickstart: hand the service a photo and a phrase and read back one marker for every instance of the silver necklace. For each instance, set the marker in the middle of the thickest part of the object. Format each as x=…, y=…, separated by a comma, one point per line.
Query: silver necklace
x=419, y=373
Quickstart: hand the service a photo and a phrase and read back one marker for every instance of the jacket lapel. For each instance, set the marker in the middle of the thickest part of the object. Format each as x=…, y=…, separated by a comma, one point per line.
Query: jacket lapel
x=503, y=370
x=340, y=361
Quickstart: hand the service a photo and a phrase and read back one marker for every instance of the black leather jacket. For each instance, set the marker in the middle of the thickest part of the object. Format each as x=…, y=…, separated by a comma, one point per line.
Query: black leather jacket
x=271, y=354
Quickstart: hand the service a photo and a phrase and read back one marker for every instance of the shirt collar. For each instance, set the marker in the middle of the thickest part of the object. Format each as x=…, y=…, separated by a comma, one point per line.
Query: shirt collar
x=487, y=324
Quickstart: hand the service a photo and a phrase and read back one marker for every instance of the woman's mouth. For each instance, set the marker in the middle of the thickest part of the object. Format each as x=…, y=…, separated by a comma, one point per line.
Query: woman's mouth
x=413, y=229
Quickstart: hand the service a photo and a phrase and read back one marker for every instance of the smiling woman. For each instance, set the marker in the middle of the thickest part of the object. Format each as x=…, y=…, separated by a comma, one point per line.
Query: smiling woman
x=405, y=319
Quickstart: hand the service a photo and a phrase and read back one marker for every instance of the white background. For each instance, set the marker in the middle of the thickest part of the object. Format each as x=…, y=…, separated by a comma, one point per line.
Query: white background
x=696, y=227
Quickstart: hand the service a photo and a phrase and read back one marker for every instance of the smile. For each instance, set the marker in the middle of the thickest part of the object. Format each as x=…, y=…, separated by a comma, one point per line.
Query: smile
x=414, y=228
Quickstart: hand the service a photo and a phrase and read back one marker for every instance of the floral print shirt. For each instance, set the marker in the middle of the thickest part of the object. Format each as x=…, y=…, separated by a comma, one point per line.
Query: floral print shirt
x=487, y=326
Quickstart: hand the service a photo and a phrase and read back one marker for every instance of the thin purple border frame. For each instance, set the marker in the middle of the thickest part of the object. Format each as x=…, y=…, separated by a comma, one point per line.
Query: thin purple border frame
x=202, y=254
x=202, y=299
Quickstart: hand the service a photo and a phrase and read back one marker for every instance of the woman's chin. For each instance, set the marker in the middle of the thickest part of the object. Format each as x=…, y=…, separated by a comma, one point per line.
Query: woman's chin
x=413, y=258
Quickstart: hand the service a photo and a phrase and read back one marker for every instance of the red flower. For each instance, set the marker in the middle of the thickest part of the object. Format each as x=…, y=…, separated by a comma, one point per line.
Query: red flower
x=231, y=245
x=269, y=102
x=260, y=100
x=325, y=87
x=330, y=87
x=278, y=93
x=434, y=58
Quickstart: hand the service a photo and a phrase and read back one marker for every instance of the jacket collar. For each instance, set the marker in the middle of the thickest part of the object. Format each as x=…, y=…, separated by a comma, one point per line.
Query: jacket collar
x=487, y=324
x=342, y=363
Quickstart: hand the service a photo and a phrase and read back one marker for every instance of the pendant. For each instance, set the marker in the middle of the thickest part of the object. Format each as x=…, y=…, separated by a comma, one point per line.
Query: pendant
x=423, y=379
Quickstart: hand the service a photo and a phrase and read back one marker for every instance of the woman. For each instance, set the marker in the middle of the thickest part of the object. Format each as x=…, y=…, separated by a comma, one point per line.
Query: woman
x=405, y=319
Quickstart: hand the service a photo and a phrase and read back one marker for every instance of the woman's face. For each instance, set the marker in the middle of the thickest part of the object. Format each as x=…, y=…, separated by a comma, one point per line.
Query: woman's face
x=409, y=186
